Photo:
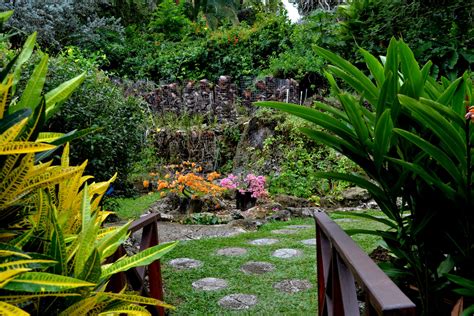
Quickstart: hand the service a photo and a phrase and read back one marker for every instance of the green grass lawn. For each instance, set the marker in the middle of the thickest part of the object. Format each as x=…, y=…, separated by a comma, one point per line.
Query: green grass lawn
x=132, y=208
x=179, y=291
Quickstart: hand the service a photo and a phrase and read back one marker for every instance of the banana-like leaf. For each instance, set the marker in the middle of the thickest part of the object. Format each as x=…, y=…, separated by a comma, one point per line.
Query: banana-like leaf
x=24, y=55
x=56, y=96
x=375, y=67
x=136, y=299
x=142, y=258
x=448, y=134
x=44, y=282
x=11, y=310
x=362, y=83
x=437, y=154
x=383, y=136
x=31, y=96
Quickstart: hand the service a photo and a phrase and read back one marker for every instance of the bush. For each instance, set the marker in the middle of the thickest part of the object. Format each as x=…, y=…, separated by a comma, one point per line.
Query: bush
x=440, y=31
x=117, y=145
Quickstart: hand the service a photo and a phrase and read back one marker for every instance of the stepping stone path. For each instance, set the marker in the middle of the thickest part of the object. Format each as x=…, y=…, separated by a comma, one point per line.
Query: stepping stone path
x=287, y=253
x=299, y=226
x=238, y=301
x=344, y=220
x=309, y=242
x=185, y=263
x=292, y=286
x=232, y=252
x=210, y=284
x=284, y=231
x=263, y=241
x=256, y=267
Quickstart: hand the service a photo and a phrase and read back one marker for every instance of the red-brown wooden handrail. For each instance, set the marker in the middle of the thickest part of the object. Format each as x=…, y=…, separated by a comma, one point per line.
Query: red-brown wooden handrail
x=135, y=277
x=339, y=263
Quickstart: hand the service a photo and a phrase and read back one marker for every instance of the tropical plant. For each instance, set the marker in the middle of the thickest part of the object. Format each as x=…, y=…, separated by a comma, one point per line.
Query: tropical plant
x=52, y=244
x=408, y=134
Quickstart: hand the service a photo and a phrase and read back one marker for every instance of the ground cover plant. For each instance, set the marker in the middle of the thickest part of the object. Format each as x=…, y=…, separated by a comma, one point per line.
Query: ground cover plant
x=413, y=141
x=189, y=301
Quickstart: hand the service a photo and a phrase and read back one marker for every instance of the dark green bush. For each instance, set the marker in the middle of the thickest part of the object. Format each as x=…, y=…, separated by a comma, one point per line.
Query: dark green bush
x=440, y=31
x=98, y=102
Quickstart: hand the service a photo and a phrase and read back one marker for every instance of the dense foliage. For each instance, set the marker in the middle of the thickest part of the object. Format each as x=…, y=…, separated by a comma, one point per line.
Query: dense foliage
x=99, y=103
x=415, y=145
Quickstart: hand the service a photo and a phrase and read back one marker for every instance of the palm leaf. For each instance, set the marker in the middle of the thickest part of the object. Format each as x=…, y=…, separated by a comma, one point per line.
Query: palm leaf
x=44, y=282
x=142, y=258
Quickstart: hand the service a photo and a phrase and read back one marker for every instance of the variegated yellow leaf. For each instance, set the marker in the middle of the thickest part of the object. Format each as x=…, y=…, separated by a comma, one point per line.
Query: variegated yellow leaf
x=137, y=299
x=24, y=147
x=12, y=133
x=13, y=184
x=7, y=253
x=27, y=297
x=48, y=137
x=80, y=308
x=11, y=310
x=128, y=309
x=7, y=276
x=5, y=94
x=18, y=264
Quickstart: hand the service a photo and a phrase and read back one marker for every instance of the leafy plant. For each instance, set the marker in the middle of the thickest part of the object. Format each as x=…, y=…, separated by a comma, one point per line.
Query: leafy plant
x=52, y=244
x=414, y=146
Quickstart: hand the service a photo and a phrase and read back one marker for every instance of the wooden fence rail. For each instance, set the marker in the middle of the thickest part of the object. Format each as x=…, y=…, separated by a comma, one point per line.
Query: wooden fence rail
x=340, y=262
x=135, y=277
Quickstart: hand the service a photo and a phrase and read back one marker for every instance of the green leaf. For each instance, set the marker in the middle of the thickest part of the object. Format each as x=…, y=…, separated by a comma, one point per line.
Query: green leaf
x=468, y=311
x=375, y=67
x=142, y=258
x=56, y=96
x=383, y=135
x=44, y=282
x=411, y=71
x=435, y=153
x=92, y=269
x=24, y=55
x=108, y=245
x=466, y=283
x=31, y=96
x=4, y=16
x=445, y=266
x=58, y=246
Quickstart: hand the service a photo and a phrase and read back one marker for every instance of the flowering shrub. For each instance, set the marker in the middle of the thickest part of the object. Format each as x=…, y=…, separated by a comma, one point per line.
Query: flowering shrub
x=186, y=179
x=251, y=183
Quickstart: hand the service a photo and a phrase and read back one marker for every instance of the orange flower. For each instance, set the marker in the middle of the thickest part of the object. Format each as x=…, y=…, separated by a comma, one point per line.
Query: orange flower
x=162, y=185
x=146, y=184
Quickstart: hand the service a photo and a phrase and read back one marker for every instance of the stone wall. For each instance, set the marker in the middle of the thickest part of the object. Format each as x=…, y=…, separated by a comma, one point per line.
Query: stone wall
x=218, y=101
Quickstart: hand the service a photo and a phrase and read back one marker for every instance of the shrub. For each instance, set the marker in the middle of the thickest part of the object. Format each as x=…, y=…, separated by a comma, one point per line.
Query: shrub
x=415, y=146
x=54, y=249
x=99, y=103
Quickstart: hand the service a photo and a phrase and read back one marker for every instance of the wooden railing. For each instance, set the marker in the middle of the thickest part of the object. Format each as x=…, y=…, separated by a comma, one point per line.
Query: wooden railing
x=340, y=262
x=135, y=278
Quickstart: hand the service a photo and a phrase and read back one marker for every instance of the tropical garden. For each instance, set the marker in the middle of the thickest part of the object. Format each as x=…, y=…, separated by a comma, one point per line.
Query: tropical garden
x=244, y=116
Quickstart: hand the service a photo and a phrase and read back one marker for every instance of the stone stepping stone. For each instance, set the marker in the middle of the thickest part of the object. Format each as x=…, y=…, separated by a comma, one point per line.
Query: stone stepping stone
x=287, y=253
x=292, y=285
x=300, y=226
x=264, y=241
x=257, y=267
x=238, y=301
x=232, y=252
x=209, y=284
x=284, y=231
x=309, y=242
x=185, y=263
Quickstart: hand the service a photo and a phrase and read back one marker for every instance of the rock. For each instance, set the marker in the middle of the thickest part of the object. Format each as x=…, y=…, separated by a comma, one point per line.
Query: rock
x=264, y=241
x=283, y=215
x=287, y=253
x=309, y=242
x=231, y=252
x=355, y=196
x=238, y=301
x=300, y=226
x=247, y=224
x=210, y=284
x=293, y=285
x=303, y=211
x=284, y=231
x=256, y=267
x=291, y=201
x=185, y=263
x=256, y=212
